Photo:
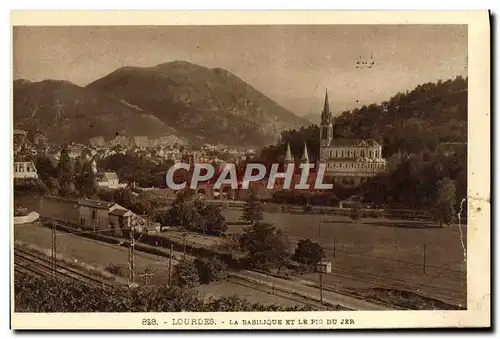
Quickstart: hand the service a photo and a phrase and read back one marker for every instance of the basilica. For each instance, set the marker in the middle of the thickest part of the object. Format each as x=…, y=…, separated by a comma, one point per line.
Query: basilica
x=348, y=161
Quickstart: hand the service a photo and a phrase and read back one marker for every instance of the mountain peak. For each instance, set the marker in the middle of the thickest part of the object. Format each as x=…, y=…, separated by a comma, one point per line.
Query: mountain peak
x=179, y=64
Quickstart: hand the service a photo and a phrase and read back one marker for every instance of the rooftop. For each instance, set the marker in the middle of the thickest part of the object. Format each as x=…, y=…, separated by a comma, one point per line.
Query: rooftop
x=106, y=176
x=96, y=203
x=354, y=142
x=120, y=212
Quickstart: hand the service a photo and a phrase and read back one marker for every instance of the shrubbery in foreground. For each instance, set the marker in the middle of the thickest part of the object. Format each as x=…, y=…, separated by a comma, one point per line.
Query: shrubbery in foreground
x=37, y=294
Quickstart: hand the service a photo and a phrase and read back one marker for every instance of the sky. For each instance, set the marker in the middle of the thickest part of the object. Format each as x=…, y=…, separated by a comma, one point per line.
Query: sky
x=293, y=65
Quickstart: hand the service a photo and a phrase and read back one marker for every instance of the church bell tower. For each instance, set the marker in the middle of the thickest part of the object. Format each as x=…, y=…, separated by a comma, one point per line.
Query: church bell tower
x=325, y=131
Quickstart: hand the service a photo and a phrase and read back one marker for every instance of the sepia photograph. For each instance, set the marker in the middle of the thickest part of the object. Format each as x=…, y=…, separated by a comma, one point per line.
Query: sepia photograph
x=190, y=169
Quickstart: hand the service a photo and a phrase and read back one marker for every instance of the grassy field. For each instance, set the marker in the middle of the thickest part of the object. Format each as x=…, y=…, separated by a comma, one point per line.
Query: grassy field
x=380, y=252
x=401, y=240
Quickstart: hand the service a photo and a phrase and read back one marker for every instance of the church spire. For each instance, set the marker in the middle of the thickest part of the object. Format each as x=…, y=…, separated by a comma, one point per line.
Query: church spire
x=288, y=157
x=325, y=114
x=305, y=154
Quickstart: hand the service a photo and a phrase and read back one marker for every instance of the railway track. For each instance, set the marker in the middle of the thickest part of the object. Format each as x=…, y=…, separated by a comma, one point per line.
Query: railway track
x=27, y=262
x=316, y=305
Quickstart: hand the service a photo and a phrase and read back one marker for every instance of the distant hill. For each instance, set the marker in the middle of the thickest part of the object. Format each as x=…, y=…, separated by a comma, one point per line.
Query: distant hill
x=429, y=114
x=209, y=104
x=66, y=112
x=176, y=100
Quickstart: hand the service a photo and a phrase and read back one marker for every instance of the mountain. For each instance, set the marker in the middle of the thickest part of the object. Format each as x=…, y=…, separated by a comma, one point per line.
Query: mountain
x=313, y=118
x=66, y=112
x=209, y=104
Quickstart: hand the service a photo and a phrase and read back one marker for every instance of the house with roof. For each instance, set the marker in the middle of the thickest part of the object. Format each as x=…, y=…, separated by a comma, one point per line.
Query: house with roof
x=120, y=219
x=96, y=213
x=107, y=180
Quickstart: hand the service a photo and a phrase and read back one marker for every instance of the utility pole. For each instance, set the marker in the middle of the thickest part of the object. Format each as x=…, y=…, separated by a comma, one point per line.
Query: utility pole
x=131, y=258
x=146, y=276
x=323, y=267
x=425, y=255
x=54, y=251
x=334, y=250
x=184, y=248
x=170, y=265
x=321, y=286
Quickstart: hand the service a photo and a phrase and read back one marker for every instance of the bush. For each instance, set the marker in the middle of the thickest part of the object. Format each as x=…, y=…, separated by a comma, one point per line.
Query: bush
x=30, y=186
x=355, y=213
x=210, y=270
x=186, y=274
x=118, y=270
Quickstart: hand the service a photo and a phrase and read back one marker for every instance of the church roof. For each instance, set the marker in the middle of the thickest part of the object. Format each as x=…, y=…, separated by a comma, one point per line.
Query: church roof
x=349, y=142
x=288, y=157
x=305, y=154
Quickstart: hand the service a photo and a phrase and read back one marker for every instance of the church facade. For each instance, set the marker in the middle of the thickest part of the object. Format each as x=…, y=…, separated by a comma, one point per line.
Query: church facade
x=348, y=161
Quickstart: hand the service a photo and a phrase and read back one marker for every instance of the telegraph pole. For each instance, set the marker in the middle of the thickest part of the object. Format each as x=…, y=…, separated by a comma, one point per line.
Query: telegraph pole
x=425, y=255
x=170, y=265
x=131, y=257
x=146, y=276
x=184, y=248
x=54, y=261
x=321, y=286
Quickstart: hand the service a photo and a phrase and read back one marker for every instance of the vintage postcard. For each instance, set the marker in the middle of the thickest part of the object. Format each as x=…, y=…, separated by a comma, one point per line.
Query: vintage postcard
x=250, y=170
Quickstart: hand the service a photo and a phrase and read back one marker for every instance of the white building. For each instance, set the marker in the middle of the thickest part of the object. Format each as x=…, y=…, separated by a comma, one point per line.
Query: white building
x=348, y=161
x=25, y=169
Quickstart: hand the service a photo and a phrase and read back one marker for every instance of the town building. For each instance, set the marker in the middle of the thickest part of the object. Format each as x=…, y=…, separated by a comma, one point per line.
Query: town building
x=91, y=214
x=106, y=179
x=348, y=161
x=24, y=170
x=95, y=213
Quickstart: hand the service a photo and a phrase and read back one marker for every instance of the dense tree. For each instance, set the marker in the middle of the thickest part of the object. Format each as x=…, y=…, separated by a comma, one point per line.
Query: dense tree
x=29, y=186
x=65, y=174
x=445, y=201
x=252, y=211
x=134, y=168
x=308, y=252
x=125, y=197
x=412, y=183
x=186, y=273
x=46, y=168
x=267, y=246
x=212, y=220
x=185, y=212
x=210, y=269
x=85, y=181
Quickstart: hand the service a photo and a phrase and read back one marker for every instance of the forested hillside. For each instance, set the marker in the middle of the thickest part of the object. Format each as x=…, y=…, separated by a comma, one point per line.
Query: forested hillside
x=409, y=122
x=413, y=121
